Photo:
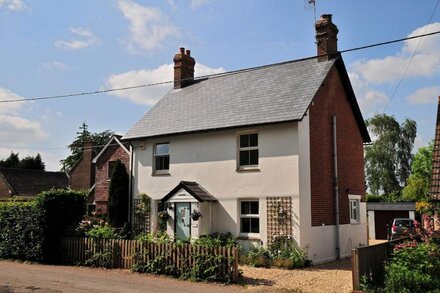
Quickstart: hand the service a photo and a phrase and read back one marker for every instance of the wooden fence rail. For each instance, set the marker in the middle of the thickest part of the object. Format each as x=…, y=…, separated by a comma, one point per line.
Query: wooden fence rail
x=370, y=261
x=118, y=253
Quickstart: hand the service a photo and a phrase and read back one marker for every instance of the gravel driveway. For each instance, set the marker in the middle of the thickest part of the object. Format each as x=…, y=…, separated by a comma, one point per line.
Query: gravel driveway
x=327, y=278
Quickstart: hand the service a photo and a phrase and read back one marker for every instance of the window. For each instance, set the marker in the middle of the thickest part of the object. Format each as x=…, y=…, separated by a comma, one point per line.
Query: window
x=111, y=168
x=162, y=157
x=249, y=217
x=248, y=150
x=354, y=209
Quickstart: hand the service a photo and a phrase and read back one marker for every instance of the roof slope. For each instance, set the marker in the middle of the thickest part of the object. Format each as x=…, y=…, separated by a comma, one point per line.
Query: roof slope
x=31, y=182
x=269, y=94
x=193, y=188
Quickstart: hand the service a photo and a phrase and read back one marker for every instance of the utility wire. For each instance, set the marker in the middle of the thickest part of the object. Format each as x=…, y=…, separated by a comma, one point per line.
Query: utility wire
x=201, y=77
x=412, y=58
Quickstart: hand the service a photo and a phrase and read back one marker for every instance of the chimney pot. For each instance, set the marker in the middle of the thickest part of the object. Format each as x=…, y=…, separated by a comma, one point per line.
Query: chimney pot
x=183, y=68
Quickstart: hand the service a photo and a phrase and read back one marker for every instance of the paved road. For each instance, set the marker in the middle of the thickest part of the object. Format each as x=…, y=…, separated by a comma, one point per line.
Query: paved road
x=24, y=278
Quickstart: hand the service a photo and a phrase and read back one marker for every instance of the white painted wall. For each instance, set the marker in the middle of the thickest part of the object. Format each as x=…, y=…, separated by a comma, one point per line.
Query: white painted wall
x=211, y=160
x=371, y=225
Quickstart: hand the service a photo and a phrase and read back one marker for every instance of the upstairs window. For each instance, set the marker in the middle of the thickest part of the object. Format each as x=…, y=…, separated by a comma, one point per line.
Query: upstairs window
x=111, y=168
x=248, y=150
x=162, y=157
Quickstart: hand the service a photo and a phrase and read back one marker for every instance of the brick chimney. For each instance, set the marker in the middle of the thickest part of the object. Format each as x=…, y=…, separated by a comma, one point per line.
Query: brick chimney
x=326, y=37
x=434, y=189
x=183, y=68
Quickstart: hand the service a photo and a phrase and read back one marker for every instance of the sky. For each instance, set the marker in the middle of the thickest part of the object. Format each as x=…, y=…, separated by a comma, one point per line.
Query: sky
x=58, y=47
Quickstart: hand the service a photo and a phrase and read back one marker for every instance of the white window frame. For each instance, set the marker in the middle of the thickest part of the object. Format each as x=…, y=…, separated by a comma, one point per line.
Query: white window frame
x=239, y=149
x=355, y=212
x=254, y=216
x=164, y=171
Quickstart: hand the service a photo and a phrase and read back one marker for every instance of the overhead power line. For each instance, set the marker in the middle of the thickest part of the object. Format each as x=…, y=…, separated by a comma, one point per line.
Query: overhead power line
x=198, y=78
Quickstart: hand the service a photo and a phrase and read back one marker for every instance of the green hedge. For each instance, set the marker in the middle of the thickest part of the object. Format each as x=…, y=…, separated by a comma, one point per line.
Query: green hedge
x=63, y=210
x=21, y=231
x=31, y=230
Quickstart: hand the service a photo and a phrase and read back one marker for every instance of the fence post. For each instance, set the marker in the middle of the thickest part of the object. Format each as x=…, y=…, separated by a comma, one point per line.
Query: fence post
x=235, y=252
x=355, y=269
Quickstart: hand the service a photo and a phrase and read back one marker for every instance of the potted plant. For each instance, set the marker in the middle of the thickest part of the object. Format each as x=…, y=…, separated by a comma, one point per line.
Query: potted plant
x=195, y=215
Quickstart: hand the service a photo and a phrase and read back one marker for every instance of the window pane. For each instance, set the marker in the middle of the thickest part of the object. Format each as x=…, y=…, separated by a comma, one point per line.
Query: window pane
x=111, y=168
x=244, y=141
x=245, y=207
x=162, y=163
x=162, y=148
x=253, y=139
x=253, y=157
x=245, y=225
x=255, y=225
x=244, y=158
x=159, y=163
x=166, y=162
x=254, y=207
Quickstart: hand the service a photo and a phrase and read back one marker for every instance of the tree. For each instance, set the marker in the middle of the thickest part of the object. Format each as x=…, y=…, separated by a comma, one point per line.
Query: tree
x=417, y=188
x=118, y=196
x=388, y=159
x=98, y=141
x=29, y=162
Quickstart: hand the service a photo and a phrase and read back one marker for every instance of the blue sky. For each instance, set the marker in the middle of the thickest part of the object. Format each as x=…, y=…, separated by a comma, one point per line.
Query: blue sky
x=58, y=47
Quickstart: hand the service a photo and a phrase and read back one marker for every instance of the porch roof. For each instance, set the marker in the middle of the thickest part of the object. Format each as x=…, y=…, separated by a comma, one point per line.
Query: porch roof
x=194, y=189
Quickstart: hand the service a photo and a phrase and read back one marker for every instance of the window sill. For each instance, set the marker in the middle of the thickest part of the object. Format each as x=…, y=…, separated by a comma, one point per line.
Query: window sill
x=249, y=169
x=161, y=173
x=252, y=238
x=355, y=222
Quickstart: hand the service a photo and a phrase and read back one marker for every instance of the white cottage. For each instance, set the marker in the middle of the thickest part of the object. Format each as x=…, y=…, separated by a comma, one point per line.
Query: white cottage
x=260, y=152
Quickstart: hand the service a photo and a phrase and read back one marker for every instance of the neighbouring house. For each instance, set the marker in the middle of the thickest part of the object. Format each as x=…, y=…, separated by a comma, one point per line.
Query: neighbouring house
x=269, y=151
x=26, y=184
x=82, y=174
x=104, y=164
x=381, y=213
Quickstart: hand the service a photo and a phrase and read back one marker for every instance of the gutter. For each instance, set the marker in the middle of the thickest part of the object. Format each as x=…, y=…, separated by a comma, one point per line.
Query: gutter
x=336, y=186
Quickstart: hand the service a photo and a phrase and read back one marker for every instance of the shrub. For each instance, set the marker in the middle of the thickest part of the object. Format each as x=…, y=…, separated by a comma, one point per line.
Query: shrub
x=414, y=269
x=286, y=254
x=63, y=210
x=103, y=232
x=259, y=257
x=21, y=231
x=374, y=198
x=118, y=196
x=216, y=239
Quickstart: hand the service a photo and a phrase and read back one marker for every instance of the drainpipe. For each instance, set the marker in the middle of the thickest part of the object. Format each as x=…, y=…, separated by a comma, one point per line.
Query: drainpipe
x=130, y=189
x=336, y=178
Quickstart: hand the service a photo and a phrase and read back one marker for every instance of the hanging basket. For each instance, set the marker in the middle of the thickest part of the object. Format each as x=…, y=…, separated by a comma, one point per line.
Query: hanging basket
x=195, y=215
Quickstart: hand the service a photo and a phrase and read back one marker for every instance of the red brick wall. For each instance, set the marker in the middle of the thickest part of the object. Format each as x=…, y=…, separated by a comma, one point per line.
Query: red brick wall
x=331, y=100
x=4, y=188
x=102, y=181
x=82, y=176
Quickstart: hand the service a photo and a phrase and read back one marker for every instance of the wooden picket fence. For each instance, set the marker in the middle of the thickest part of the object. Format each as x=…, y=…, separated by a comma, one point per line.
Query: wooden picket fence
x=118, y=253
x=369, y=261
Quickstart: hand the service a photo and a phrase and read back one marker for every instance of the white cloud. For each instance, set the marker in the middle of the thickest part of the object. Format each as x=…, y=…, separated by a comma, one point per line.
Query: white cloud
x=13, y=5
x=198, y=3
x=18, y=130
x=426, y=61
x=149, y=27
x=419, y=141
x=9, y=108
x=150, y=95
x=172, y=3
x=370, y=101
x=427, y=95
x=82, y=38
x=54, y=65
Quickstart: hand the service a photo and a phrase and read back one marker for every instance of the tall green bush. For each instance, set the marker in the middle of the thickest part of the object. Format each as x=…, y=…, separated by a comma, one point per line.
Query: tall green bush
x=21, y=231
x=118, y=196
x=63, y=210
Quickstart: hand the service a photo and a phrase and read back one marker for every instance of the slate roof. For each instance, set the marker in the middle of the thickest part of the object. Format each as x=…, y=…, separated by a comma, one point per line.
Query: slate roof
x=269, y=94
x=193, y=188
x=31, y=182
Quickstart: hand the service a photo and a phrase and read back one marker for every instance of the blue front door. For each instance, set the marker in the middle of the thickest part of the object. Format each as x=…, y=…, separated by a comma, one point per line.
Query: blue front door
x=183, y=220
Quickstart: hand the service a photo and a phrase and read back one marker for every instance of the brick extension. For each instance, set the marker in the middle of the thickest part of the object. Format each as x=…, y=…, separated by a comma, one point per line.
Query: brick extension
x=434, y=189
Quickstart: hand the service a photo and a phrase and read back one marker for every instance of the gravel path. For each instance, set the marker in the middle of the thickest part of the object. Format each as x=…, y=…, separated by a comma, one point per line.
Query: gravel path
x=330, y=277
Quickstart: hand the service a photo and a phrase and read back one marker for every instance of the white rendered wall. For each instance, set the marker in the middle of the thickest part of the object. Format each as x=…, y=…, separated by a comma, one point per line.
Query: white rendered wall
x=210, y=159
x=371, y=225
